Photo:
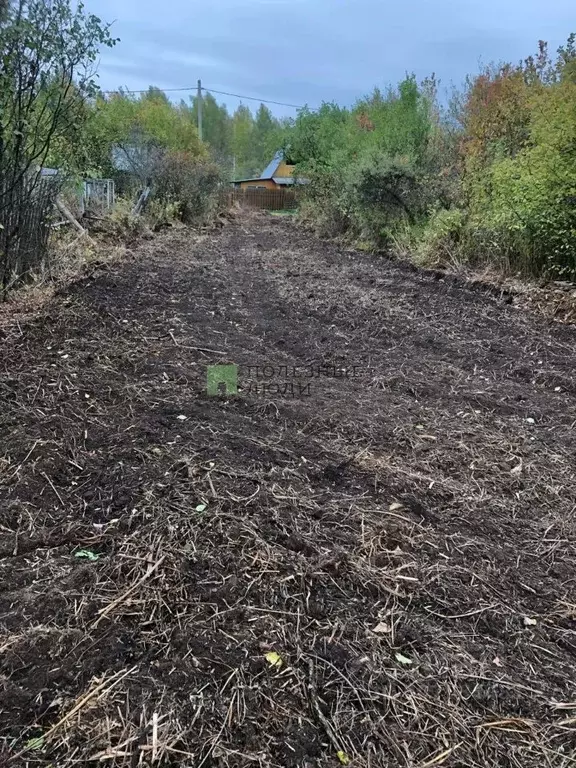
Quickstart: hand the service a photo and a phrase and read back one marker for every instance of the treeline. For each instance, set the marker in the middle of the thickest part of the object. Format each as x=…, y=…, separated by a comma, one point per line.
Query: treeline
x=489, y=178
x=126, y=132
x=242, y=143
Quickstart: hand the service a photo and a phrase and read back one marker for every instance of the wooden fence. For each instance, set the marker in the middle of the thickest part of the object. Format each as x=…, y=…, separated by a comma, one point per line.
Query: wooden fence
x=266, y=199
x=26, y=204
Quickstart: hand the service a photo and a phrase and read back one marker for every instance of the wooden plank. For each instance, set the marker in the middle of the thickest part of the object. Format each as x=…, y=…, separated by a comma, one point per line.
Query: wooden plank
x=69, y=217
x=265, y=199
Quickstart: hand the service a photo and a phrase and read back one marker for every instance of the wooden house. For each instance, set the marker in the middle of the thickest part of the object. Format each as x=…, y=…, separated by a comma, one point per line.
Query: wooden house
x=277, y=175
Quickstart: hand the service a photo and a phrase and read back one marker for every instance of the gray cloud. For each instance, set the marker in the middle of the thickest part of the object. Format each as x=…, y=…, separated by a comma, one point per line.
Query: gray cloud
x=307, y=51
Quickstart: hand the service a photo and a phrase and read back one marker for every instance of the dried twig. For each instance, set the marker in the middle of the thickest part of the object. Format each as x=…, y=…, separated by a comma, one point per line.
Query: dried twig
x=125, y=595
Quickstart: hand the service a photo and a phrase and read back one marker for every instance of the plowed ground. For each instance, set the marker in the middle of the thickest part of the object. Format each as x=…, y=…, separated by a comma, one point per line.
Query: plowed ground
x=378, y=568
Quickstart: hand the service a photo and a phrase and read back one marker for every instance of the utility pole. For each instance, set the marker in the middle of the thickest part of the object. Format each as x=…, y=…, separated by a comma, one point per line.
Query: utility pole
x=199, y=103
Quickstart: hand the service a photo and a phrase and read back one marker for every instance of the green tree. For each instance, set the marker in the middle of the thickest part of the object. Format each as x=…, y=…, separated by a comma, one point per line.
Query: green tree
x=317, y=136
x=134, y=132
x=49, y=51
x=242, y=143
x=519, y=162
x=532, y=198
x=216, y=125
x=366, y=165
x=266, y=137
x=49, y=58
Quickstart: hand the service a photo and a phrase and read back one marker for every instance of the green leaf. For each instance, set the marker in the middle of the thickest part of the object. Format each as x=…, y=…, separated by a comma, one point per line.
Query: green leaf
x=343, y=757
x=274, y=659
x=87, y=554
x=403, y=659
x=36, y=743
x=201, y=507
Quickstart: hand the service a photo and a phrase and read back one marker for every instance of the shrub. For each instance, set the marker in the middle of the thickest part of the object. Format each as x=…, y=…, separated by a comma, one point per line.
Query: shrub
x=325, y=218
x=364, y=164
x=191, y=187
x=122, y=223
x=531, y=202
x=383, y=192
x=491, y=179
x=442, y=238
x=520, y=166
x=322, y=205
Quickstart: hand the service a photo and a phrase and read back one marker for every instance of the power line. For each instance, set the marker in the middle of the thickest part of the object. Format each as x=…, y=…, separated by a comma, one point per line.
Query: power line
x=145, y=90
x=253, y=98
x=212, y=90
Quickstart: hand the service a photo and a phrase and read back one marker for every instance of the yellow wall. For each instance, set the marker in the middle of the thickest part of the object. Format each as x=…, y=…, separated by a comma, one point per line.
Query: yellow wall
x=268, y=183
x=285, y=171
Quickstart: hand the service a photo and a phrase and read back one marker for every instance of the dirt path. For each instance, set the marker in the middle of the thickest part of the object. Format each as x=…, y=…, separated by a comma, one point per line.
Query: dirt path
x=401, y=537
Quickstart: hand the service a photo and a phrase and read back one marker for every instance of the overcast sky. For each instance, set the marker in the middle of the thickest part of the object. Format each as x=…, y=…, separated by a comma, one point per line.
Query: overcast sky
x=309, y=51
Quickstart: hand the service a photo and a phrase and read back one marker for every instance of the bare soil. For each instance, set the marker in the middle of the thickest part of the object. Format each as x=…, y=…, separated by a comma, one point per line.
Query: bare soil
x=378, y=571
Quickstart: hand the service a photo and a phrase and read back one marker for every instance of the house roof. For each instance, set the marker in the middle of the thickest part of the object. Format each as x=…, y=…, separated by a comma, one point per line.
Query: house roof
x=268, y=172
x=281, y=181
x=272, y=167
